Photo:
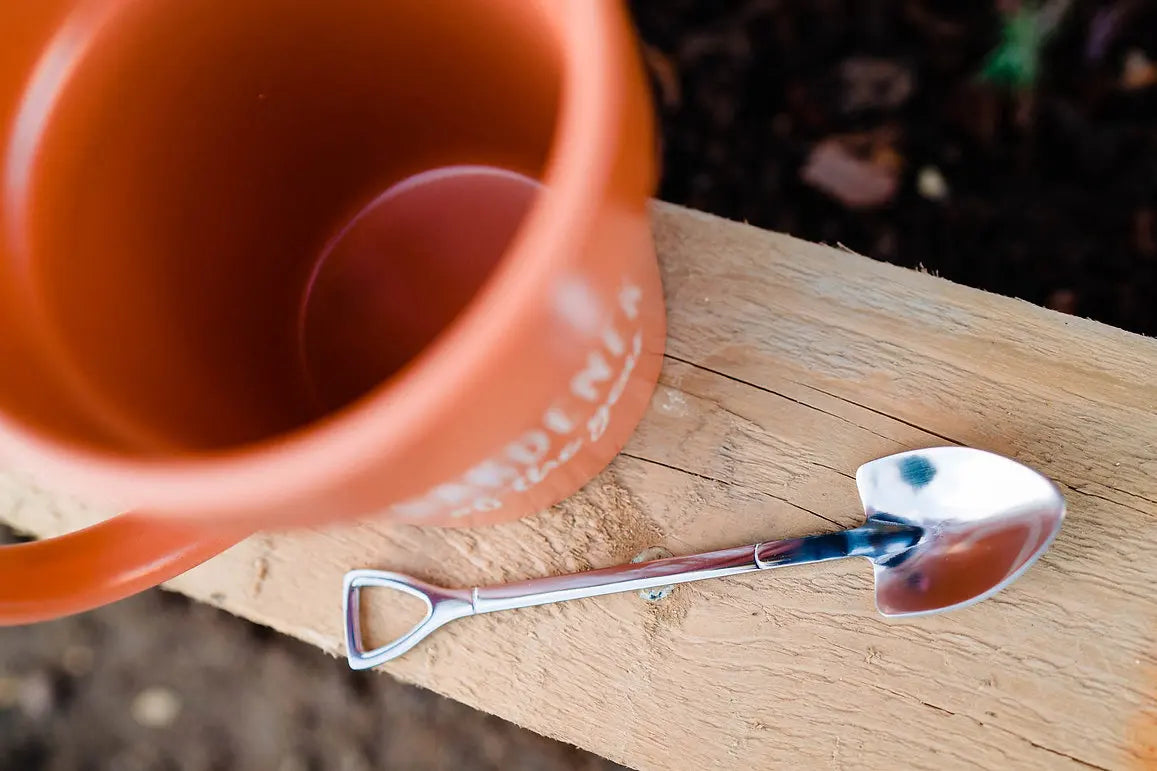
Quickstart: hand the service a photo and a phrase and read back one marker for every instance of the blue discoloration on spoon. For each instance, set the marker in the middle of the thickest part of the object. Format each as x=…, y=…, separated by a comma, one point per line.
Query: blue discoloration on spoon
x=917, y=471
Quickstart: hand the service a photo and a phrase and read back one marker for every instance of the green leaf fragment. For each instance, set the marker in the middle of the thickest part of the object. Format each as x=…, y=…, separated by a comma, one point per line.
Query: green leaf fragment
x=1015, y=63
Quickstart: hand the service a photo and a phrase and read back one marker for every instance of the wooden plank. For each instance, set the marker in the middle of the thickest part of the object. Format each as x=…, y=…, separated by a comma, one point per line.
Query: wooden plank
x=789, y=365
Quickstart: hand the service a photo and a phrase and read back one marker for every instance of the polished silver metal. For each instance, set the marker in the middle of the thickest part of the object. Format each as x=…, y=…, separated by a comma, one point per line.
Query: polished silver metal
x=946, y=527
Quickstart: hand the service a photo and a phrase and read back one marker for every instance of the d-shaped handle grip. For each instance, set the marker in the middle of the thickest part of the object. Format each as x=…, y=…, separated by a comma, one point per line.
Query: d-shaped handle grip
x=442, y=606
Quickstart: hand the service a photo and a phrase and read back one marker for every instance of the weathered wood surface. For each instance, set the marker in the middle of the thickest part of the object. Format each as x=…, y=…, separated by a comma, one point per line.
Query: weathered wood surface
x=789, y=365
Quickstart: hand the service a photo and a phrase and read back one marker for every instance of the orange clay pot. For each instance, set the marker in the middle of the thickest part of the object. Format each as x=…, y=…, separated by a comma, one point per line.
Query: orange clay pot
x=217, y=311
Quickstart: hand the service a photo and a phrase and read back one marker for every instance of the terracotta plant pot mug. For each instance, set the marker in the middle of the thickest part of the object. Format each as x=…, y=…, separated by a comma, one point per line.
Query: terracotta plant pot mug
x=268, y=263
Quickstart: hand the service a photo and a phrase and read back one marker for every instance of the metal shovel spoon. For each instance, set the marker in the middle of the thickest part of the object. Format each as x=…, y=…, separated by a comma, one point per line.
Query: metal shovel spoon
x=945, y=528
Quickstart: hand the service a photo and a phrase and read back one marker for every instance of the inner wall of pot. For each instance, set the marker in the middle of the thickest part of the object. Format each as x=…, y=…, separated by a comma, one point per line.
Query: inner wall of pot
x=200, y=160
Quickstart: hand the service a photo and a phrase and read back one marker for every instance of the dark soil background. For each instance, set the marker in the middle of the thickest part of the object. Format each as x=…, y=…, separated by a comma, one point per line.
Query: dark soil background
x=860, y=123
x=1049, y=194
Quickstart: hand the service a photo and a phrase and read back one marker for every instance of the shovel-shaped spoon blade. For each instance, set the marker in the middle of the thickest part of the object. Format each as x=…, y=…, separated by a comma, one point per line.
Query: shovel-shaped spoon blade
x=985, y=518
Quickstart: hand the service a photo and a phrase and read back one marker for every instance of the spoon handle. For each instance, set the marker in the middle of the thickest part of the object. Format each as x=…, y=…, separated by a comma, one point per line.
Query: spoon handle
x=621, y=578
x=878, y=539
x=875, y=540
x=445, y=605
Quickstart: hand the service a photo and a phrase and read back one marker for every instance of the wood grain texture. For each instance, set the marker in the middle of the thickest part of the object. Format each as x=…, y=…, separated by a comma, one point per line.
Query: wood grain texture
x=789, y=365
